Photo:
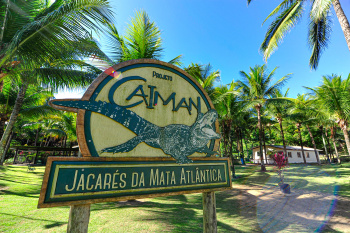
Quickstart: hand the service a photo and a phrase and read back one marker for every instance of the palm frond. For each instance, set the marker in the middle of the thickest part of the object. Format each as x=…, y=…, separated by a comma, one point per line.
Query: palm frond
x=319, y=9
x=44, y=38
x=318, y=38
x=279, y=27
x=282, y=6
x=176, y=61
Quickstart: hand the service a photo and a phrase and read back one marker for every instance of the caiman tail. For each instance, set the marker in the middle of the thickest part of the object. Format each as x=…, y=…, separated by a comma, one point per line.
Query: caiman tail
x=127, y=118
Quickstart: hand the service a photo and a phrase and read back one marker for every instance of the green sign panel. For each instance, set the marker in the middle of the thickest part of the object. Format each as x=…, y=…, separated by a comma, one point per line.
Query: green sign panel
x=97, y=179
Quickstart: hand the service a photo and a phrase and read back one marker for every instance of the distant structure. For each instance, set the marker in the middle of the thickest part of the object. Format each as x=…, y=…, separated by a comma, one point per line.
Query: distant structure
x=293, y=152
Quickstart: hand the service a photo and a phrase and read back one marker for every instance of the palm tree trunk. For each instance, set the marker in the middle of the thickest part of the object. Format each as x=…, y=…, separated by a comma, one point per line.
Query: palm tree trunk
x=344, y=127
x=231, y=155
x=314, y=144
x=242, y=157
x=13, y=118
x=344, y=22
x=301, y=142
x=284, y=142
x=3, y=119
x=264, y=141
x=335, y=145
x=4, y=23
x=329, y=145
x=324, y=144
x=37, y=136
x=258, y=108
x=346, y=136
x=8, y=144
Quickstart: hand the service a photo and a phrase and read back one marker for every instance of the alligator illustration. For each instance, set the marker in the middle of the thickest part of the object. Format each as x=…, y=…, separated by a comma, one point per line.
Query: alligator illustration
x=177, y=140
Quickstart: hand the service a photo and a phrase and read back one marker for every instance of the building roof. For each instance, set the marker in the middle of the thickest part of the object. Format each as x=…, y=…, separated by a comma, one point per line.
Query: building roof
x=290, y=147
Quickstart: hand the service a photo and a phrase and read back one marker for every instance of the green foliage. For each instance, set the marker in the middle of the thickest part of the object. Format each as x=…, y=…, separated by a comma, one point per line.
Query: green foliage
x=204, y=76
x=289, y=13
x=141, y=40
x=39, y=32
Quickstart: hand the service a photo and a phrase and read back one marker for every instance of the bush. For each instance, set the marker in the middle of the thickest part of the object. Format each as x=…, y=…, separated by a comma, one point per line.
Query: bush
x=9, y=161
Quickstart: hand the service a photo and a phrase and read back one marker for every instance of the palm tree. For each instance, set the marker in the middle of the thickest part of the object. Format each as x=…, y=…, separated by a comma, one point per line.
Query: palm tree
x=37, y=40
x=34, y=106
x=204, y=76
x=256, y=88
x=141, y=40
x=228, y=106
x=300, y=114
x=280, y=111
x=290, y=12
x=334, y=95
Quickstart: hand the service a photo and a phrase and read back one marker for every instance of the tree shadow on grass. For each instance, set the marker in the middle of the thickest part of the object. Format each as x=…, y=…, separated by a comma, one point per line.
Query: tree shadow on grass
x=47, y=226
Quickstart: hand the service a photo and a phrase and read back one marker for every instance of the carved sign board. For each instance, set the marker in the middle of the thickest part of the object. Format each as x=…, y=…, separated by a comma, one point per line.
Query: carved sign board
x=143, y=108
x=92, y=180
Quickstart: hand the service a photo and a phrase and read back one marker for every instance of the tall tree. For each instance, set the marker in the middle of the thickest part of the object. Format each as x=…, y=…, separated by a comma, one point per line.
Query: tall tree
x=204, y=76
x=226, y=103
x=141, y=40
x=299, y=115
x=257, y=87
x=334, y=95
x=37, y=39
x=280, y=111
x=320, y=26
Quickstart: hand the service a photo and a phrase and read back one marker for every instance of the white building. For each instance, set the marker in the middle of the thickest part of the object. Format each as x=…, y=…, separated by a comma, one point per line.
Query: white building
x=294, y=154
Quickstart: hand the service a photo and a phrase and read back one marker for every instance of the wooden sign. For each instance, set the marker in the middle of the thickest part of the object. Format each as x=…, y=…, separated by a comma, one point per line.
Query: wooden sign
x=91, y=180
x=144, y=116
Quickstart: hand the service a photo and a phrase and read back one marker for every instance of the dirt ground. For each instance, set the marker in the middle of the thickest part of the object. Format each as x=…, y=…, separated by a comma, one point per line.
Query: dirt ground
x=303, y=211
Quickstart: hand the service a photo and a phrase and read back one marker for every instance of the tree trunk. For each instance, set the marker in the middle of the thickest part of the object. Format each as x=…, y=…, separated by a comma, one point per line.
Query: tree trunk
x=242, y=155
x=8, y=144
x=258, y=108
x=3, y=119
x=4, y=24
x=344, y=23
x=37, y=136
x=314, y=144
x=329, y=145
x=264, y=141
x=13, y=118
x=344, y=127
x=284, y=142
x=324, y=144
x=335, y=145
x=301, y=142
x=231, y=155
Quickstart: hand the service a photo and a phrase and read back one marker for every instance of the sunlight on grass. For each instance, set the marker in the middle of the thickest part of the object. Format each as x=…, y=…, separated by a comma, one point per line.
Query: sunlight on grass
x=19, y=193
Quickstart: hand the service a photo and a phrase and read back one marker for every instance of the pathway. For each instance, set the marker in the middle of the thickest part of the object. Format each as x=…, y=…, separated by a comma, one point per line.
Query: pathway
x=312, y=207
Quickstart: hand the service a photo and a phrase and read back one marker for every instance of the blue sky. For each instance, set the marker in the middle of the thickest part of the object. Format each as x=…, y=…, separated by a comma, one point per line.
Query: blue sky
x=228, y=34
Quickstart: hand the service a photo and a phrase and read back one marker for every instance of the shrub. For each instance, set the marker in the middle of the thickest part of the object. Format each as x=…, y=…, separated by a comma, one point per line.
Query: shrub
x=9, y=161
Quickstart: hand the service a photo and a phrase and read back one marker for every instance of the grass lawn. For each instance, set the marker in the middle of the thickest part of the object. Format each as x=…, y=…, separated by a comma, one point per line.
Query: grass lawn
x=19, y=193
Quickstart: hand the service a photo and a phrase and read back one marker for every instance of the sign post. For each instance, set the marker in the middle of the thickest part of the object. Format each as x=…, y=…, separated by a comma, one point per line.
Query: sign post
x=145, y=128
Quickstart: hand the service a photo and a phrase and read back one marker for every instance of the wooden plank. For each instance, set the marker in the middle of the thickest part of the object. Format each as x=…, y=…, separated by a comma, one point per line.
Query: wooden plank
x=122, y=198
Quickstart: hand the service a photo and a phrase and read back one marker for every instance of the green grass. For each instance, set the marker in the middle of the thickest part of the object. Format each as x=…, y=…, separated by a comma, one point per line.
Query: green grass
x=19, y=193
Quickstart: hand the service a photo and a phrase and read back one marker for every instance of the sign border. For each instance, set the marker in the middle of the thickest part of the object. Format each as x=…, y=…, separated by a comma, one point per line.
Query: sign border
x=81, y=135
x=44, y=187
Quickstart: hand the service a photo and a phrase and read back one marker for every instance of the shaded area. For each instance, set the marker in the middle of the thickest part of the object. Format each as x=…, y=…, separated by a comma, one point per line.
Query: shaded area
x=253, y=205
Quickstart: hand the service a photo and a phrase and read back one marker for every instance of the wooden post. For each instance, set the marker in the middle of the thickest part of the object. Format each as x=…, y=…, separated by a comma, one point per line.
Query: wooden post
x=16, y=154
x=209, y=213
x=79, y=216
